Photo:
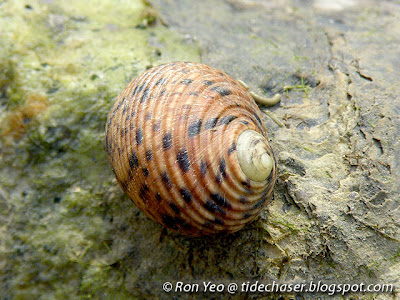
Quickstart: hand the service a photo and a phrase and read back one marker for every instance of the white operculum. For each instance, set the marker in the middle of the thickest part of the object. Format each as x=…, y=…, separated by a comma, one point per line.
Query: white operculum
x=253, y=156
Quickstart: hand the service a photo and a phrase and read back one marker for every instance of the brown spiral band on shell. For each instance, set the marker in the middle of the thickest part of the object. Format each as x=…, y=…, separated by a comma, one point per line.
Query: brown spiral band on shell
x=171, y=138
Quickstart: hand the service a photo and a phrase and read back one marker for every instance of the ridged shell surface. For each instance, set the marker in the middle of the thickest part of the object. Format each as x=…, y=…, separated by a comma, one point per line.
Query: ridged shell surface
x=171, y=140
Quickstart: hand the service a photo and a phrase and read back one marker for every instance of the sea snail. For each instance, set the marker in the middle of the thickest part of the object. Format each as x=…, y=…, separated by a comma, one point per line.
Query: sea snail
x=187, y=144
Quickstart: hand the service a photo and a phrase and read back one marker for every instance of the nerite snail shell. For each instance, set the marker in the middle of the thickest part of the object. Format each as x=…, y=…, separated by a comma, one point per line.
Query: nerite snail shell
x=188, y=145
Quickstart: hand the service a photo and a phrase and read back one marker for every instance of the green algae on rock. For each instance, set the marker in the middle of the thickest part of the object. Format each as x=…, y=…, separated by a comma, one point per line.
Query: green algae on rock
x=61, y=65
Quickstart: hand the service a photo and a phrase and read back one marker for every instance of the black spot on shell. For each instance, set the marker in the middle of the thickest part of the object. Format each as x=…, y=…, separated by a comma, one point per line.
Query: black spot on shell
x=246, y=215
x=183, y=160
x=158, y=197
x=208, y=82
x=165, y=179
x=138, y=89
x=231, y=148
x=221, y=90
x=124, y=184
x=244, y=122
x=218, y=221
x=163, y=92
x=211, y=123
x=174, y=207
x=186, y=81
x=145, y=95
x=133, y=161
x=135, y=90
x=260, y=203
x=222, y=167
x=139, y=136
x=258, y=119
x=169, y=222
x=226, y=120
x=143, y=191
x=130, y=175
x=124, y=110
x=270, y=176
x=220, y=200
x=194, y=128
x=145, y=172
x=249, y=191
x=218, y=178
x=266, y=193
x=243, y=200
x=115, y=111
x=246, y=183
x=167, y=141
x=175, y=223
x=208, y=224
x=156, y=127
x=203, y=167
x=160, y=81
x=212, y=207
x=120, y=103
x=149, y=155
x=186, y=195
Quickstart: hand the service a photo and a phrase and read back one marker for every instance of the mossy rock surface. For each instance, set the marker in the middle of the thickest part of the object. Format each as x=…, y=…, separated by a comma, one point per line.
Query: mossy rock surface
x=68, y=231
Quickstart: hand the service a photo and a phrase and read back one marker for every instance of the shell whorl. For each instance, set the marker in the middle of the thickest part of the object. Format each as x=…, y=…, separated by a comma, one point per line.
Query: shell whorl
x=253, y=155
x=172, y=142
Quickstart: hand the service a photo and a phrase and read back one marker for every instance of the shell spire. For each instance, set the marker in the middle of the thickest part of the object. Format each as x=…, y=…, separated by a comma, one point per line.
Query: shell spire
x=253, y=155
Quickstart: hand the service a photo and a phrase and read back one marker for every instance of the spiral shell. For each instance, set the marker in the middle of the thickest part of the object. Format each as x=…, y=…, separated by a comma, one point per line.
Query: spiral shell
x=171, y=138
